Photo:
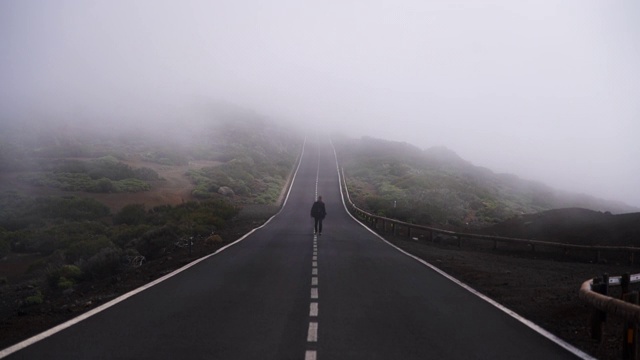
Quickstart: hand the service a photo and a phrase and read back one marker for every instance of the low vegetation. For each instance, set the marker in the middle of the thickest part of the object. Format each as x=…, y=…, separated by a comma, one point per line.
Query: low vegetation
x=437, y=187
x=77, y=239
x=256, y=161
x=102, y=175
x=80, y=239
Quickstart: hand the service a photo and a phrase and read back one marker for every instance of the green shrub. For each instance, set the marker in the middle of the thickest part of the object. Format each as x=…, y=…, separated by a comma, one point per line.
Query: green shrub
x=70, y=271
x=106, y=262
x=64, y=283
x=85, y=249
x=64, y=277
x=133, y=214
x=145, y=173
x=123, y=234
x=102, y=185
x=35, y=299
x=155, y=242
x=131, y=185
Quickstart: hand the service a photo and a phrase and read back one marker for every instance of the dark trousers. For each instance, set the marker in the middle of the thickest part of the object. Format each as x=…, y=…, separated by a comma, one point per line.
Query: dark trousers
x=317, y=226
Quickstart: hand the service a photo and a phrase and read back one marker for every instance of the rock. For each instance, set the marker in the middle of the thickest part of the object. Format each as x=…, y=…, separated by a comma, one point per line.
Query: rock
x=226, y=191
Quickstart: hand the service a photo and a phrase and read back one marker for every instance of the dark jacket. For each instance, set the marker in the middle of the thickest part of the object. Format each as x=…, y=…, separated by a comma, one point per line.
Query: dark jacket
x=318, y=210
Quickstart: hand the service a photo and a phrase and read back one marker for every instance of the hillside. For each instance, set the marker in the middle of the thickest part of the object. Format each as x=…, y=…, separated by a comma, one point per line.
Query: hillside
x=87, y=213
x=573, y=225
x=435, y=186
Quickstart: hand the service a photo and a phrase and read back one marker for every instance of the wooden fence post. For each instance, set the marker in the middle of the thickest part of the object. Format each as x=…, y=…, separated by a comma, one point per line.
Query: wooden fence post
x=630, y=334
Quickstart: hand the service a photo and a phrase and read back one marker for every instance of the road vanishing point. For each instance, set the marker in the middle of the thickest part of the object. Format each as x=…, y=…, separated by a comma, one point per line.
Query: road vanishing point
x=281, y=292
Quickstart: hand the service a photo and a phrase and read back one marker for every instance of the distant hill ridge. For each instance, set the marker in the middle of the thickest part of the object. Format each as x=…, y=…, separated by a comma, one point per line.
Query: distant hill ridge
x=436, y=186
x=574, y=225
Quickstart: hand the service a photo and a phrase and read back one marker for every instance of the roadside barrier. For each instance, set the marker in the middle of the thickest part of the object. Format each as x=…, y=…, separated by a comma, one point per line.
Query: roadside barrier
x=593, y=291
x=397, y=227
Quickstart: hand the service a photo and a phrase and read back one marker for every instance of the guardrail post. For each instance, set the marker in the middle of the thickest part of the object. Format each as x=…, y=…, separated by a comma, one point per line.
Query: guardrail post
x=625, y=281
x=394, y=226
x=408, y=231
x=598, y=317
x=630, y=335
x=495, y=244
x=631, y=258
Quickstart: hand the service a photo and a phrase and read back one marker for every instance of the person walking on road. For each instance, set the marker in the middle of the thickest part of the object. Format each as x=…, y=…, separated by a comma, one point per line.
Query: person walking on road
x=318, y=212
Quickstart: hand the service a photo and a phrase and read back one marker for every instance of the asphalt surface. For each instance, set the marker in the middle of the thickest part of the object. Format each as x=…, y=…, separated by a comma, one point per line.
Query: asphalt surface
x=284, y=293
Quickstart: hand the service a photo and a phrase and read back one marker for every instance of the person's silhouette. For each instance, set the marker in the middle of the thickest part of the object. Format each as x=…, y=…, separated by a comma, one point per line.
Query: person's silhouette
x=318, y=212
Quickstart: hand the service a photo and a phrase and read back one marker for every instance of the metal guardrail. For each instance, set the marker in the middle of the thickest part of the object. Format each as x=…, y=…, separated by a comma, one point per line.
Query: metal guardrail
x=395, y=224
x=593, y=291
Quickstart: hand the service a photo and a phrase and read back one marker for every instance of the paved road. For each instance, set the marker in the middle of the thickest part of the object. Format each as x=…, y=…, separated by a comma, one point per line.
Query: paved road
x=282, y=293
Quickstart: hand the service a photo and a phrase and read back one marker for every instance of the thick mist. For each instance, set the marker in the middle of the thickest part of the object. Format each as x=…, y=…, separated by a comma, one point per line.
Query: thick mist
x=545, y=90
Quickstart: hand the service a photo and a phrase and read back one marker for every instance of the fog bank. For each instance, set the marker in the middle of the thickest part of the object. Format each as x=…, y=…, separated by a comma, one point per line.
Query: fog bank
x=546, y=90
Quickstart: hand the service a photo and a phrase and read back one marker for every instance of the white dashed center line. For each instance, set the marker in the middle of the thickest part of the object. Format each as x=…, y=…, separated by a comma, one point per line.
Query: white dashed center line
x=312, y=334
x=310, y=355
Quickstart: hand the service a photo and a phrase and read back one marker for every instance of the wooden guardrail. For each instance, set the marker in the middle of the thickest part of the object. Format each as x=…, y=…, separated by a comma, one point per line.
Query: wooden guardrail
x=395, y=226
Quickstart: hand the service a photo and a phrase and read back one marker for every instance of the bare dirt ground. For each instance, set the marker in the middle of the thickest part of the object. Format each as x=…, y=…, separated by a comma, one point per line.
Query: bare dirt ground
x=540, y=287
x=174, y=188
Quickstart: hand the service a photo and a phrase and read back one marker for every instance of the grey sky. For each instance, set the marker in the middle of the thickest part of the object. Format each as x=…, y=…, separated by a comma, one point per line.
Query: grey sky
x=548, y=90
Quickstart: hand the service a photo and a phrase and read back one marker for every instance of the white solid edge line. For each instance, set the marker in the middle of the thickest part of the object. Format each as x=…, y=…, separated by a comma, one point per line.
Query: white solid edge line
x=45, y=334
x=535, y=327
